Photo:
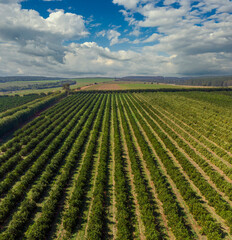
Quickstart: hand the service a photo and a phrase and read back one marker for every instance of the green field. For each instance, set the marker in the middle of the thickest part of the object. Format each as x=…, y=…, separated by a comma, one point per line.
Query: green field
x=103, y=165
x=141, y=85
x=80, y=82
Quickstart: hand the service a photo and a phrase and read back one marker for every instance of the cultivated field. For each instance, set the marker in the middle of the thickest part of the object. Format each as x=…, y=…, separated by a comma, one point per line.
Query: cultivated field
x=121, y=166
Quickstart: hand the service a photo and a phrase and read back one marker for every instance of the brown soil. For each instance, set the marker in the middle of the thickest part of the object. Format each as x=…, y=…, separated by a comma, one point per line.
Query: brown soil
x=104, y=86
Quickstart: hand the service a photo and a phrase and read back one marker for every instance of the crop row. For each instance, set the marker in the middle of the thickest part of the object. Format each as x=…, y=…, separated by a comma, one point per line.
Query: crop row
x=196, y=117
x=7, y=102
x=76, y=199
x=56, y=173
x=12, y=121
x=97, y=220
x=17, y=150
x=37, y=191
x=43, y=151
x=165, y=193
x=209, y=226
x=145, y=204
x=123, y=212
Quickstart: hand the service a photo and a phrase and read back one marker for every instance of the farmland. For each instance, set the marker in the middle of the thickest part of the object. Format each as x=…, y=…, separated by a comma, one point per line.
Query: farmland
x=114, y=165
x=7, y=102
x=33, y=85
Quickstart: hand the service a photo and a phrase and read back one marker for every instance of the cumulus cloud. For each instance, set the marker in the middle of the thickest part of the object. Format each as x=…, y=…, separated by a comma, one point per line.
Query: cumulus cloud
x=9, y=1
x=198, y=35
x=130, y=4
x=183, y=41
x=33, y=35
x=152, y=38
x=113, y=36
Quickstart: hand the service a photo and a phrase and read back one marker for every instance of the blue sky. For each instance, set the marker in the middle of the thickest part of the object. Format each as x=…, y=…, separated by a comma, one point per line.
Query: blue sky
x=115, y=37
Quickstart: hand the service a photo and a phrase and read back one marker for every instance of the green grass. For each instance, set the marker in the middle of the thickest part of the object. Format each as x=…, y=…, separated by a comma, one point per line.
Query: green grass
x=80, y=82
x=140, y=85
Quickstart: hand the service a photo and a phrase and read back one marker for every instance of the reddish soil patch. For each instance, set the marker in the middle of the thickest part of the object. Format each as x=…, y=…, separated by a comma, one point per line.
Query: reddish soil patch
x=104, y=86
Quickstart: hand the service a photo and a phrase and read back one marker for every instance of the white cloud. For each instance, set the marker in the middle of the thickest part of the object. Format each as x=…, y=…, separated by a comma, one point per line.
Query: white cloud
x=152, y=38
x=9, y=1
x=129, y=4
x=68, y=24
x=113, y=36
x=101, y=33
x=199, y=36
x=161, y=16
x=20, y=71
x=37, y=36
x=188, y=44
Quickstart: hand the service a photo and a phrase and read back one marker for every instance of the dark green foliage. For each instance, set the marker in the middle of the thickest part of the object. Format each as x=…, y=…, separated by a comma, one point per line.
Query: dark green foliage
x=7, y=102
x=97, y=219
x=201, y=215
x=10, y=122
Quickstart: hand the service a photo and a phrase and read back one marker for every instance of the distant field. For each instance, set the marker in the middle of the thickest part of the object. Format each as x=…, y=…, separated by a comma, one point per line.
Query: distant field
x=23, y=83
x=124, y=85
x=142, y=85
x=104, y=86
x=103, y=165
x=117, y=85
x=80, y=82
x=85, y=81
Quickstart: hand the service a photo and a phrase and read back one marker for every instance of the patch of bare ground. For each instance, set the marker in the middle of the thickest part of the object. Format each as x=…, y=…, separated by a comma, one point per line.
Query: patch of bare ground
x=205, y=202
x=82, y=88
x=131, y=177
x=147, y=175
x=104, y=86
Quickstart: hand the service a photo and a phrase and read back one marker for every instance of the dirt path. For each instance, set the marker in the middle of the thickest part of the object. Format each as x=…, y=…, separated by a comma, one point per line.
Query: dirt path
x=113, y=175
x=206, y=204
x=131, y=177
x=95, y=169
x=61, y=232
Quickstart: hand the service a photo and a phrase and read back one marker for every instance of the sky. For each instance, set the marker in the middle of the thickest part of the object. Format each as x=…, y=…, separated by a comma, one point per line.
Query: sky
x=115, y=38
